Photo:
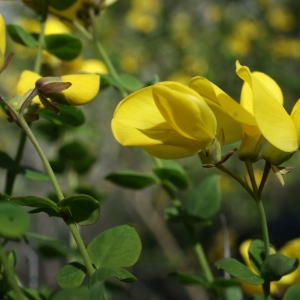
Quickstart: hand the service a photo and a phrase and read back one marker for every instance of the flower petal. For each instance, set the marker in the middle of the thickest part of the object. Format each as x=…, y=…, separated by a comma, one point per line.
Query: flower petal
x=211, y=92
x=186, y=112
x=83, y=89
x=2, y=40
x=272, y=119
x=295, y=115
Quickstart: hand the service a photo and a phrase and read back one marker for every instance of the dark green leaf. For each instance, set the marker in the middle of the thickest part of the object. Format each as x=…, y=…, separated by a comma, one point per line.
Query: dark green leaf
x=130, y=82
x=49, y=211
x=58, y=166
x=117, y=247
x=20, y=36
x=277, y=265
x=71, y=275
x=73, y=151
x=84, y=209
x=107, y=80
x=131, y=179
x=172, y=172
x=83, y=165
x=63, y=46
x=185, y=278
x=237, y=269
x=256, y=254
x=6, y=162
x=172, y=215
x=292, y=292
x=106, y=272
x=224, y=283
x=33, y=201
x=80, y=293
x=205, y=200
x=34, y=174
x=61, y=5
x=43, y=238
x=50, y=131
x=52, y=250
x=14, y=221
x=69, y=115
x=97, y=292
x=90, y=191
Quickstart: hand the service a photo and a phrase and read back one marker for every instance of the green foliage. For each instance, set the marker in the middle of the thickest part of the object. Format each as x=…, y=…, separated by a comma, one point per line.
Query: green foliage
x=51, y=250
x=239, y=270
x=14, y=221
x=84, y=209
x=185, y=278
x=71, y=275
x=116, y=247
x=256, y=254
x=63, y=46
x=131, y=179
x=292, y=292
x=205, y=200
x=277, y=265
x=69, y=115
x=172, y=172
x=130, y=82
x=80, y=293
x=20, y=36
x=6, y=162
x=61, y=5
x=103, y=273
x=34, y=174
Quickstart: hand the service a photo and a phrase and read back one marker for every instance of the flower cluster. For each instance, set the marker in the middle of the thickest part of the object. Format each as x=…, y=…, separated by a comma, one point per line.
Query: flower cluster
x=170, y=120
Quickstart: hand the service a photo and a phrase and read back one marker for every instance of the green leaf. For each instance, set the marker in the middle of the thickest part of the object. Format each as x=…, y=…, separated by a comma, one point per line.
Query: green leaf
x=106, y=272
x=90, y=191
x=237, y=269
x=172, y=215
x=97, y=292
x=63, y=46
x=292, y=292
x=20, y=36
x=224, y=283
x=71, y=275
x=69, y=115
x=277, y=265
x=117, y=247
x=185, y=278
x=131, y=179
x=233, y=293
x=52, y=250
x=61, y=5
x=80, y=293
x=107, y=80
x=6, y=162
x=33, y=201
x=73, y=151
x=256, y=254
x=14, y=221
x=49, y=211
x=130, y=82
x=42, y=237
x=34, y=174
x=172, y=172
x=84, y=209
x=205, y=200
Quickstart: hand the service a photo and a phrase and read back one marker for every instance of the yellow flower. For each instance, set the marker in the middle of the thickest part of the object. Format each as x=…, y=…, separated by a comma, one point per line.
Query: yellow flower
x=168, y=120
x=230, y=115
x=2, y=41
x=83, y=89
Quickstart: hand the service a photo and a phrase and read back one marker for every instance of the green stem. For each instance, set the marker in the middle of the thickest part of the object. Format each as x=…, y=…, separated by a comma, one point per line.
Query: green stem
x=11, y=276
x=198, y=250
x=39, y=54
x=264, y=226
x=12, y=174
x=81, y=247
x=251, y=175
x=264, y=178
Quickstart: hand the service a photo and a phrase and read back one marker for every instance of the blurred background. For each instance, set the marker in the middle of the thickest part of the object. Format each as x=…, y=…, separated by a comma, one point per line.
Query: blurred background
x=170, y=40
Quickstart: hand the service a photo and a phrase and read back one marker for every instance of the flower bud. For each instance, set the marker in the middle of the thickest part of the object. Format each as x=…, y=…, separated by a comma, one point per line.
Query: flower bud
x=275, y=156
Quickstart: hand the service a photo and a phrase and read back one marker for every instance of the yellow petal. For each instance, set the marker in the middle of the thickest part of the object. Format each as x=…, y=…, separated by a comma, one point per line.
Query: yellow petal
x=27, y=82
x=185, y=111
x=246, y=93
x=295, y=115
x=272, y=119
x=93, y=66
x=70, y=14
x=2, y=40
x=232, y=129
x=83, y=89
x=210, y=91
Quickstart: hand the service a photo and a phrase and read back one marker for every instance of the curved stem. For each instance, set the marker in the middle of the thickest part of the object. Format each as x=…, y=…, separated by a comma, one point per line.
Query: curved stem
x=251, y=175
x=264, y=178
x=198, y=250
x=264, y=226
x=11, y=276
x=12, y=174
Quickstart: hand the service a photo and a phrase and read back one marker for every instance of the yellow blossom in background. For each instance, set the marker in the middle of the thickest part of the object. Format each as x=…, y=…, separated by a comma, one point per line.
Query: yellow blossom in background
x=168, y=120
x=281, y=20
x=194, y=65
x=83, y=89
x=284, y=47
x=2, y=40
x=214, y=13
x=180, y=27
x=129, y=63
x=143, y=15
